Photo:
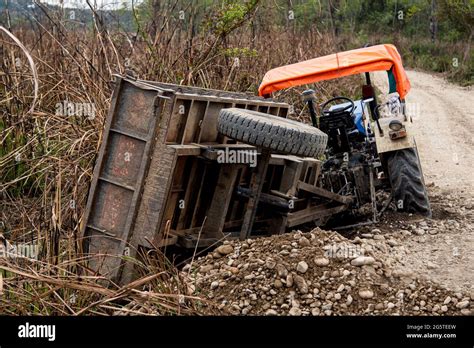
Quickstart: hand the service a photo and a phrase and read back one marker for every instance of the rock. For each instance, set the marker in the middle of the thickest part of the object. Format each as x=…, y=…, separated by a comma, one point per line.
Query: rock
x=281, y=270
x=302, y=267
x=301, y=284
x=205, y=268
x=294, y=311
x=304, y=242
x=270, y=264
x=337, y=296
x=278, y=284
x=289, y=280
x=447, y=300
x=321, y=262
x=379, y=237
x=362, y=261
x=392, y=242
x=444, y=308
x=225, y=249
x=431, y=265
x=419, y=232
x=234, y=270
x=214, y=285
x=466, y=311
x=271, y=312
x=349, y=300
x=340, y=288
x=405, y=232
x=462, y=304
x=390, y=305
x=315, y=311
x=367, y=235
x=366, y=294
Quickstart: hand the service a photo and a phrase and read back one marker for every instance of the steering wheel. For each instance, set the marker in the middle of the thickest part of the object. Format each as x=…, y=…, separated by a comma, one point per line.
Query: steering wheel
x=349, y=108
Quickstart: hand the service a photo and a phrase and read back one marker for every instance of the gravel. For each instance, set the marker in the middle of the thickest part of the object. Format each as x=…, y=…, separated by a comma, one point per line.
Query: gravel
x=323, y=273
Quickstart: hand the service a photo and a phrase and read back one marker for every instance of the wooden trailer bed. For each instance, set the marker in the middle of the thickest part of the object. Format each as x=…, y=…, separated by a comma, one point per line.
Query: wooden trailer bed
x=158, y=180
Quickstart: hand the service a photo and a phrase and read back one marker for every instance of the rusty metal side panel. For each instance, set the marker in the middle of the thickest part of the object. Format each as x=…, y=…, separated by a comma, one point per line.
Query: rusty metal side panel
x=118, y=175
x=155, y=194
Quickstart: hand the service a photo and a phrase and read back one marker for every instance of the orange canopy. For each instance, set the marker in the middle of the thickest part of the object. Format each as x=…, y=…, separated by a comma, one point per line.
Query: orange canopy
x=380, y=57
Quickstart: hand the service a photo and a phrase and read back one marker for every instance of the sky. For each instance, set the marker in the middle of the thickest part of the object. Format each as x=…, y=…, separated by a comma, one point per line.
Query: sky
x=101, y=4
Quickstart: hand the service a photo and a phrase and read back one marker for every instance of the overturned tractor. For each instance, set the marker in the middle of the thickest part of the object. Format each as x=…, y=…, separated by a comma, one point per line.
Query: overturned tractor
x=189, y=166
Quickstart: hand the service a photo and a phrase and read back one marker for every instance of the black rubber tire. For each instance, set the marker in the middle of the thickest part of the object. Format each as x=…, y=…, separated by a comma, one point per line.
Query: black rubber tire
x=406, y=179
x=272, y=132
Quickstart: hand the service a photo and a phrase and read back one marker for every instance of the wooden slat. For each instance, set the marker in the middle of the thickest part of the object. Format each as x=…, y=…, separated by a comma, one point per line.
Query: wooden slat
x=256, y=185
x=324, y=193
x=312, y=213
x=220, y=202
x=187, y=150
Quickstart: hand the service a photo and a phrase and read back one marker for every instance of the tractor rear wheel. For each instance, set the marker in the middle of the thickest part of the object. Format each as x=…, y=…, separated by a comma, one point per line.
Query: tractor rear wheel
x=406, y=178
x=272, y=132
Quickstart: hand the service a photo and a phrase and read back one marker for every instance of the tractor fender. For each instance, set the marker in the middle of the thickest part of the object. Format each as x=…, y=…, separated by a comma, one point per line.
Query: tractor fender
x=385, y=144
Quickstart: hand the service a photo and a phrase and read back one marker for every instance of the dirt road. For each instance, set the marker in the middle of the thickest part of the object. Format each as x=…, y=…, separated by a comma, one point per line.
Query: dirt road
x=443, y=115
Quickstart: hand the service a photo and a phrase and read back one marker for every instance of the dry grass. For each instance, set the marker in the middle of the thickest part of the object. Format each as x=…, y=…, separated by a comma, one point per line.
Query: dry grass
x=46, y=158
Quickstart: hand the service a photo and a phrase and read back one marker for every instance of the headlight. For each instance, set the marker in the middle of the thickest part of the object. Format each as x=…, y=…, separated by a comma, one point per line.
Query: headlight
x=395, y=125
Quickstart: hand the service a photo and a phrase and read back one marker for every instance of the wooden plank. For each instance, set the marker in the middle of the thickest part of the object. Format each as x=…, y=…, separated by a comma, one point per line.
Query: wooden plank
x=265, y=198
x=195, y=116
x=312, y=213
x=186, y=150
x=212, y=152
x=324, y=193
x=291, y=176
x=256, y=185
x=170, y=240
x=183, y=216
x=280, y=160
x=278, y=224
x=209, y=123
x=198, y=198
x=221, y=200
x=231, y=98
x=178, y=120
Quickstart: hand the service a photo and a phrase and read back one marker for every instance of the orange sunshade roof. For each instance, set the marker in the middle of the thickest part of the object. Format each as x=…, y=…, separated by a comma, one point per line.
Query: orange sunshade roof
x=374, y=58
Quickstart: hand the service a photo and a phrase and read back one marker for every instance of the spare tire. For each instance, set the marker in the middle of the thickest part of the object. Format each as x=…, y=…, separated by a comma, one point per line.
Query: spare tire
x=272, y=132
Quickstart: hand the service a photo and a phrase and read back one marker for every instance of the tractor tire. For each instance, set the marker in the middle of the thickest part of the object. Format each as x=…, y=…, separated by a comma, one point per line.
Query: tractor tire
x=406, y=178
x=272, y=132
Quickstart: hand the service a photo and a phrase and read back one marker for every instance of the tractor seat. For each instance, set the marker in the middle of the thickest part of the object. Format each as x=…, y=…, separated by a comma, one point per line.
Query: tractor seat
x=357, y=114
x=343, y=127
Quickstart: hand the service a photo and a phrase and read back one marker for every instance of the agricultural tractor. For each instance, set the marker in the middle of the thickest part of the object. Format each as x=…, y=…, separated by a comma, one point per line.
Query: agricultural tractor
x=364, y=146
x=181, y=189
